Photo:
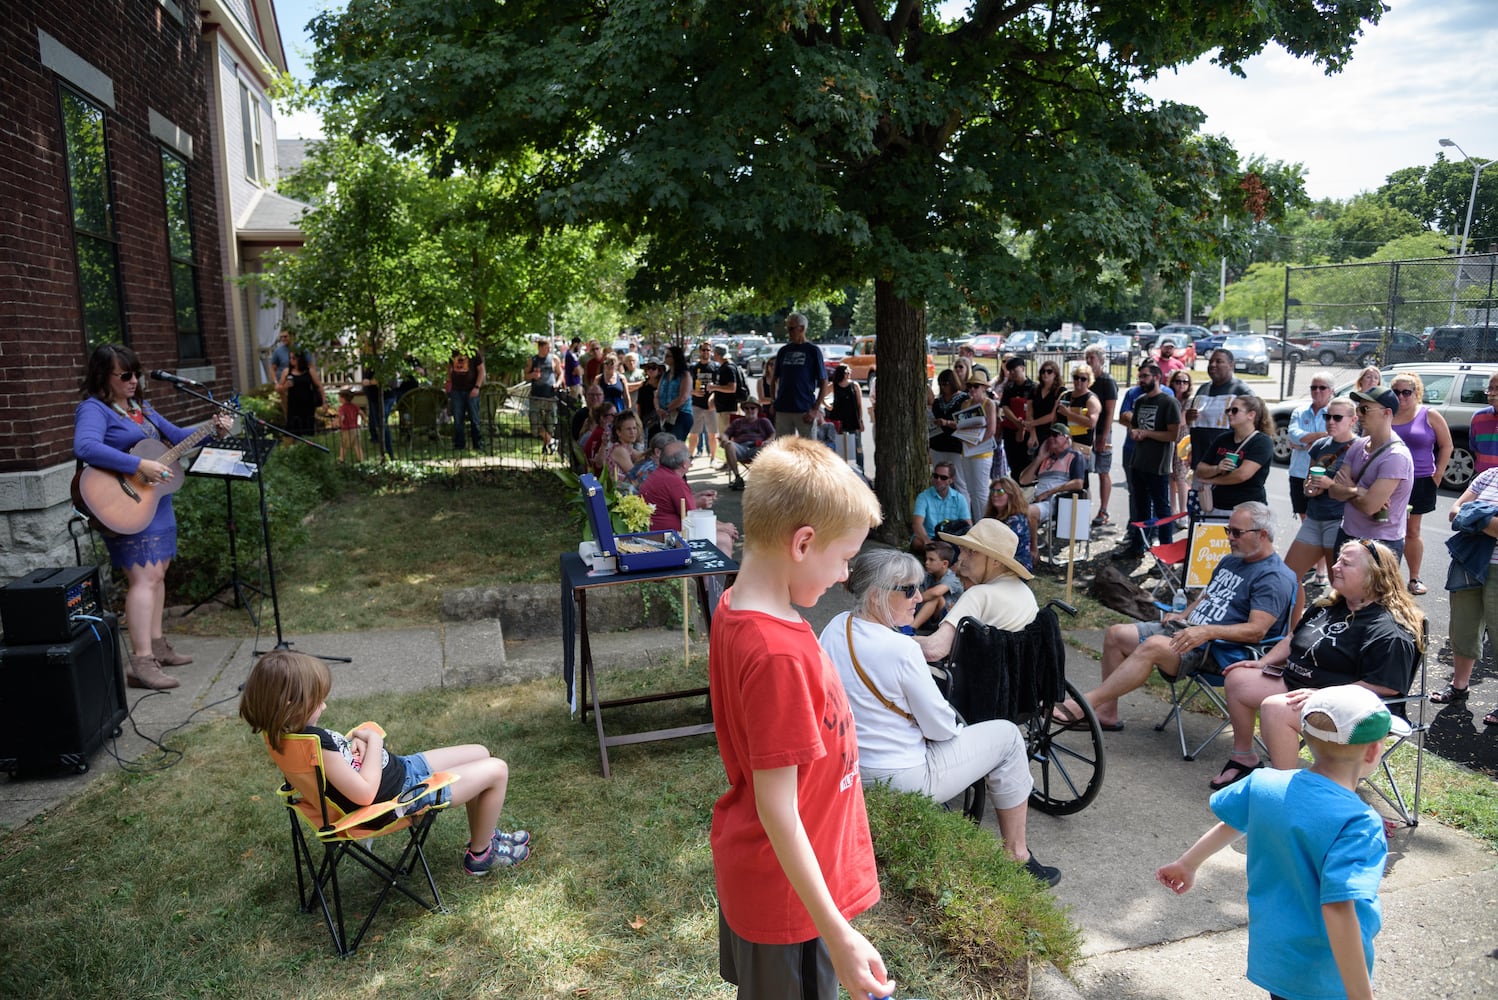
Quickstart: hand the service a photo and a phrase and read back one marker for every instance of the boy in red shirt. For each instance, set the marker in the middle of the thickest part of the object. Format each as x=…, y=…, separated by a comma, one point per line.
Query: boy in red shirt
x=791, y=849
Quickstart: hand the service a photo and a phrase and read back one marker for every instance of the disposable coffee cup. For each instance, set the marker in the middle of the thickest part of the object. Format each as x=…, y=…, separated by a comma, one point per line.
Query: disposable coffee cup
x=1317, y=470
x=1230, y=460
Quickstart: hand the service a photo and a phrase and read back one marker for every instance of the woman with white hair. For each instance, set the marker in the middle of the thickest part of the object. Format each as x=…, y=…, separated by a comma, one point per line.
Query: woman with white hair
x=908, y=735
x=994, y=585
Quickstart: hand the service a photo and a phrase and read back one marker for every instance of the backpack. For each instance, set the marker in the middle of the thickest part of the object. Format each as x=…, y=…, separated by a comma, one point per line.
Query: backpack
x=741, y=390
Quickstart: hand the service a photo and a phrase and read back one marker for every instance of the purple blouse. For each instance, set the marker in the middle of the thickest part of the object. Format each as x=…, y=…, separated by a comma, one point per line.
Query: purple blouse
x=1420, y=438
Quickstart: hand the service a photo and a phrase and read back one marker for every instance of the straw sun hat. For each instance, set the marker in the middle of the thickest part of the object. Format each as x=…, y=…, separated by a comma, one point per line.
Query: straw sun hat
x=994, y=539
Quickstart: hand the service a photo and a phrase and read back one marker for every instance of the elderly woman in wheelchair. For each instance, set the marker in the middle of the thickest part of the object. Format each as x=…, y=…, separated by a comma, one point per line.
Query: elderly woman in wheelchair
x=908, y=735
x=1366, y=631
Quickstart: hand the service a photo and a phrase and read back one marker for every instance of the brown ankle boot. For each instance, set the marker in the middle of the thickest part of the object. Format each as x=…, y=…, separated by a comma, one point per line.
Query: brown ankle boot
x=145, y=672
x=166, y=655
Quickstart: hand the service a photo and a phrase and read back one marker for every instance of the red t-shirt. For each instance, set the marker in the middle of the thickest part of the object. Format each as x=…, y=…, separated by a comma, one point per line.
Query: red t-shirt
x=778, y=702
x=666, y=488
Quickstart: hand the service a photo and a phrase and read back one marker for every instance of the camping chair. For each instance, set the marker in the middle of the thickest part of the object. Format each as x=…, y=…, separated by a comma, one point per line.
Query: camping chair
x=345, y=835
x=1169, y=557
x=1206, y=681
x=1383, y=781
x=992, y=673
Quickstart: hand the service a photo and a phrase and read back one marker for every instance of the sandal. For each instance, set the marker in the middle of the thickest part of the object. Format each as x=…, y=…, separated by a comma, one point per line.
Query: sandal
x=1100, y=520
x=1491, y=719
x=1450, y=695
x=1417, y=588
x=1239, y=770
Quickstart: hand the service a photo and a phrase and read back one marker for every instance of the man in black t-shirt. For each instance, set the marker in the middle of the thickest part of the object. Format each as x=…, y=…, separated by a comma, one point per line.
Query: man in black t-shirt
x=1155, y=424
x=1013, y=409
x=1106, y=391
x=705, y=419
x=1206, y=413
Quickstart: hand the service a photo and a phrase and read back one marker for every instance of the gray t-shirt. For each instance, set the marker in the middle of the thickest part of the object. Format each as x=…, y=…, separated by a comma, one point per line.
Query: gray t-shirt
x=1238, y=587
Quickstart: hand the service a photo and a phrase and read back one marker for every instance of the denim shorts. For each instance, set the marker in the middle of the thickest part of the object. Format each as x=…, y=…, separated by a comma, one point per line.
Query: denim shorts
x=417, y=772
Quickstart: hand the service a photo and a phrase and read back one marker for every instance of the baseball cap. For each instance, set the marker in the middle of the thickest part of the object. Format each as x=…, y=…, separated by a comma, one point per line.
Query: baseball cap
x=1378, y=397
x=1358, y=715
x=1062, y=429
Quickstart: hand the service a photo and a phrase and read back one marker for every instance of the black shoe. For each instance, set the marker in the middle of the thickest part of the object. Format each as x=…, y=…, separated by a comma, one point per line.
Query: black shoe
x=1042, y=873
x=737, y=483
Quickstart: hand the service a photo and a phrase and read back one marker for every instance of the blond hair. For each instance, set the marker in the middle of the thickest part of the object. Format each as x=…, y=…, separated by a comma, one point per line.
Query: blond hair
x=799, y=483
x=1414, y=380
x=283, y=690
x=1386, y=587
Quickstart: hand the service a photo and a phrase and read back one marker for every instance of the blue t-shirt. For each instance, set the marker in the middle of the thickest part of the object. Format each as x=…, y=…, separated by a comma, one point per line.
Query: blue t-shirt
x=954, y=587
x=930, y=505
x=1237, y=588
x=1328, y=454
x=1127, y=406
x=1310, y=842
x=798, y=373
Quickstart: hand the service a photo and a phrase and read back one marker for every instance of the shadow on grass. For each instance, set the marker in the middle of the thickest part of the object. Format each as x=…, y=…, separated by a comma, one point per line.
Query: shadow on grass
x=181, y=883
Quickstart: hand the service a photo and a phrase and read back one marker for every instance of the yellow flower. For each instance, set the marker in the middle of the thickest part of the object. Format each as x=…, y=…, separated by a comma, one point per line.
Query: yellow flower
x=634, y=512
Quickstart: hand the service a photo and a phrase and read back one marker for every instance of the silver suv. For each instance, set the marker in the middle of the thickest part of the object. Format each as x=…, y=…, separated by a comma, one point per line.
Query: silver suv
x=1456, y=391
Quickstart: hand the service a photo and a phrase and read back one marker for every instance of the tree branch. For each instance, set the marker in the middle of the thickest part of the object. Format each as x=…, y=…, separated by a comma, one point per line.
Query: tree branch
x=868, y=16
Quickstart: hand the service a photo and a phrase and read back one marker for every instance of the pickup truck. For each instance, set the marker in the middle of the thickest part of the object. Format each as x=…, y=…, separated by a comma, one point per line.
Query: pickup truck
x=864, y=365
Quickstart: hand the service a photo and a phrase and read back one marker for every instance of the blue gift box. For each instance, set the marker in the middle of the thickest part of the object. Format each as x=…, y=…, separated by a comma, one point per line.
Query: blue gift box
x=668, y=550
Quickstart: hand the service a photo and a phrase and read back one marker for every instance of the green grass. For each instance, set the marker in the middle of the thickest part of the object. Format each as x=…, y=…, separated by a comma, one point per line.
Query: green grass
x=381, y=555
x=180, y=883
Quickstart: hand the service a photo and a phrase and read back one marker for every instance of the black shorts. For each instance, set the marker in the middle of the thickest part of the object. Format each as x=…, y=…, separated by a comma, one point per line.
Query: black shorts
x=1423, y=495
x=1298, y=496
x=800, y=971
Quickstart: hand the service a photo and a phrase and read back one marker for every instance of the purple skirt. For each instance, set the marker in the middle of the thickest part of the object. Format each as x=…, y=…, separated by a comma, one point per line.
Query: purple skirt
x=157, y=542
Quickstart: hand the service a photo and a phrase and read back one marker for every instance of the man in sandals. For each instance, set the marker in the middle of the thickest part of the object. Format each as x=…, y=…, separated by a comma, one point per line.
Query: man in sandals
x=1247, y=599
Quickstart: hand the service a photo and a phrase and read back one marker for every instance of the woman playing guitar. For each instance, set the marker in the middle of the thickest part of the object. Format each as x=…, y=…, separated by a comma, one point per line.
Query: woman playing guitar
x=112, y=419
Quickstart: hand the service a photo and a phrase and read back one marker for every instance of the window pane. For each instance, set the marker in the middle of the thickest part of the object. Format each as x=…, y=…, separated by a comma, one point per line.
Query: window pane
x=178, y=220
x=184, y=297
x=88, y=167
x=98, y=281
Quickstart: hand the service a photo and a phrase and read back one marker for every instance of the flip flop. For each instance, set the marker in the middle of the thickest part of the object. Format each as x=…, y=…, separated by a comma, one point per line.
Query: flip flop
x=1240, y=771
x=1060, y=715
x=1491, y=719
x=1111, y=727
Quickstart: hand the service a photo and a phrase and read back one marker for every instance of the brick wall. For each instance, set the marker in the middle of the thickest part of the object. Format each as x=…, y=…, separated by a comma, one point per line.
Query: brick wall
x=154, y=63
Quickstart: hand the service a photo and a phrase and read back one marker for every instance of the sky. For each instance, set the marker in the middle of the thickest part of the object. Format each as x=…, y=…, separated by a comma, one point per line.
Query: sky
x=1423, y=73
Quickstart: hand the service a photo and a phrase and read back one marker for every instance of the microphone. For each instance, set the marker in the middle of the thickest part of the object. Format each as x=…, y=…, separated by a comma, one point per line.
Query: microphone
x=166, y=376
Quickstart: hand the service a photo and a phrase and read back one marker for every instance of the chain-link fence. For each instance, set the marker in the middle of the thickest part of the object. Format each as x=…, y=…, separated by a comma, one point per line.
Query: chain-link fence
x=1346, y=316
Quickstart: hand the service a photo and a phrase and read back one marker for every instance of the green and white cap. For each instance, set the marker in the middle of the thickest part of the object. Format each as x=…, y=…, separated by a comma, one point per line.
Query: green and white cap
x=1359, y=716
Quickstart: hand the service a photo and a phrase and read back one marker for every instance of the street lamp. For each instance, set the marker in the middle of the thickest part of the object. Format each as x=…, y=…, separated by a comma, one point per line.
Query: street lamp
x=1478, y=167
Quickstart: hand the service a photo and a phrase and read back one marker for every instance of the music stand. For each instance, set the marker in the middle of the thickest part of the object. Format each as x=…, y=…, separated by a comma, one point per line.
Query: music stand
x=256, y=429
x=230, y=459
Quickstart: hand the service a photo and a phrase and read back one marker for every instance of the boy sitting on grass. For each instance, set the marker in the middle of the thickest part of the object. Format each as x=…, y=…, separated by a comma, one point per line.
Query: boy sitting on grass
x=792, y=855
x=940, y=589
x=1316, y=853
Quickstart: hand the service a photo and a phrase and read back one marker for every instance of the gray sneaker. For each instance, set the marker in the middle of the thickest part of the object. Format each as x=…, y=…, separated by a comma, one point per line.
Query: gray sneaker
x=501, y=854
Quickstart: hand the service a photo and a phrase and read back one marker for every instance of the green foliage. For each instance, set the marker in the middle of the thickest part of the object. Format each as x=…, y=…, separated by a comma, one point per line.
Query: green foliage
x=988, y=912
x=297, y=480
x=1438, y=195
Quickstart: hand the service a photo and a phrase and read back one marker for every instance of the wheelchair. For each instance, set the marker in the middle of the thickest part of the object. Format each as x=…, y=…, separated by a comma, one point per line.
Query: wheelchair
x=1021, y=676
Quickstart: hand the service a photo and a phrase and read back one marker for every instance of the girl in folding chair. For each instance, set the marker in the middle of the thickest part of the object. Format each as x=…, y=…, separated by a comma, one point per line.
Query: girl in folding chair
x=286, y=693
x=1366, y=631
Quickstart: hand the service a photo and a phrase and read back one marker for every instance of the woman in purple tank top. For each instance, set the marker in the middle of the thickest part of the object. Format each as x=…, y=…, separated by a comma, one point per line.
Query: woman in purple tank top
x=1425, y=433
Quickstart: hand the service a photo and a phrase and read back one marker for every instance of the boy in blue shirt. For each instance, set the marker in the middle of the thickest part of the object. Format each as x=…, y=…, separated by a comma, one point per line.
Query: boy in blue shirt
x=1316, y=853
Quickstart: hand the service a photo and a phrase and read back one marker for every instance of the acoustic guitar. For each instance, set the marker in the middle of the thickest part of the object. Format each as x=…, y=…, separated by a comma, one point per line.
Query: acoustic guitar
x=124, y=503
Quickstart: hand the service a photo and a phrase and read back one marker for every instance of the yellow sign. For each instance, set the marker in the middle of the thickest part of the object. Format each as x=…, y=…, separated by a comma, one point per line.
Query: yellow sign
x=1209, y=543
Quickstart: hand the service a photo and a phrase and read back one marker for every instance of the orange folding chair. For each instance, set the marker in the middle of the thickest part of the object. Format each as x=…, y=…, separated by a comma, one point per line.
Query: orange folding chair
x=343, y=835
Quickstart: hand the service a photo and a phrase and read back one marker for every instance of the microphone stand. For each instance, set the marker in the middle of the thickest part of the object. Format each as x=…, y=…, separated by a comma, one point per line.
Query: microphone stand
x=255, y=429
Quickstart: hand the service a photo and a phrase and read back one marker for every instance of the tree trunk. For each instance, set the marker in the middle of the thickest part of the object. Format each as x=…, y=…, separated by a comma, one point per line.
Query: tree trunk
x=900, y=453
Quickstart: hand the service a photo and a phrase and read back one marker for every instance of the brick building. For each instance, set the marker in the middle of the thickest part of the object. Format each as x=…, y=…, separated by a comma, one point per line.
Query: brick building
x=111, y=226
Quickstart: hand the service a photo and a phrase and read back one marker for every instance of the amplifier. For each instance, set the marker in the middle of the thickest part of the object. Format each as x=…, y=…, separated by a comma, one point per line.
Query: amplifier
x=39, y=608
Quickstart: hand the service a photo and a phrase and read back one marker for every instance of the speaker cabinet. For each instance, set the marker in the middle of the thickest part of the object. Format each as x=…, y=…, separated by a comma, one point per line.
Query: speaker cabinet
x=61, y=701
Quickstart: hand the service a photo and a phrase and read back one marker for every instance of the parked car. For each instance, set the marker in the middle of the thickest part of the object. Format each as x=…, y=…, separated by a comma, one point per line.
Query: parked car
x=1184, y=334
x=745, y=346
x=988, y=345
x=861, y=359
x=832, y=354
x=1281, y=349
x=1143, y=334
x=1206, y=345
x=1250, y=354
x=754, y=362
x=1064, y=340
x=1330, y=348
x=1185, y=349
x=1021, y=342
x=1464, y=343
x=1456, y=391
x=949, y=348
x=1403, y=348
x=1118, y=348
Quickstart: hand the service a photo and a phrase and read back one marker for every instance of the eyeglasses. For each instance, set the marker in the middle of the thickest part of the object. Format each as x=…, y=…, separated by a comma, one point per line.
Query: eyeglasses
x=909, y=590
x=1240, y=532
x=1403, y=393
x=1336, y=418
x=939, y=477
x=997, y=491
x=1321, y=388
x=127, y=376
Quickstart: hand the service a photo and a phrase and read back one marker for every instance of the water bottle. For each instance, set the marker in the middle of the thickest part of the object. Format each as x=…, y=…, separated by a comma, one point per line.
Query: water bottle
x=1178, y=602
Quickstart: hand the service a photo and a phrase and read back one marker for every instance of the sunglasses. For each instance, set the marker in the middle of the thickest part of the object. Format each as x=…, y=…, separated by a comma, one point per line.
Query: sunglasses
x=997, y=491
x=909, y=590
x=1321, y=388
x=939, y=477
x=1240, y=532
x=1080, y=378
x=1336, y=418
x=1180, y=381
x=1364, y=409
x=127, y=376
x=1234, y=409
x=1404, y=393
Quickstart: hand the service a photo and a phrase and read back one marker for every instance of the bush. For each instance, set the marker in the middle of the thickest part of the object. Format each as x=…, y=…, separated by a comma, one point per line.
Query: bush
x=297, y=480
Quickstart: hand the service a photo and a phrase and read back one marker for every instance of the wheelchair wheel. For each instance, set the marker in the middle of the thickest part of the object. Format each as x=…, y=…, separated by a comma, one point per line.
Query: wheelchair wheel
x=1066, y=759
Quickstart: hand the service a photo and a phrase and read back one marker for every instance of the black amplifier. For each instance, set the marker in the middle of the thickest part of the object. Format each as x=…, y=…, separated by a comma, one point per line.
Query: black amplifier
x=39, y=608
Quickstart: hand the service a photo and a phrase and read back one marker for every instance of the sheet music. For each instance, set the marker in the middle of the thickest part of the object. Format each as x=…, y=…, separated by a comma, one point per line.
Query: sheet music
x=223, y=462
